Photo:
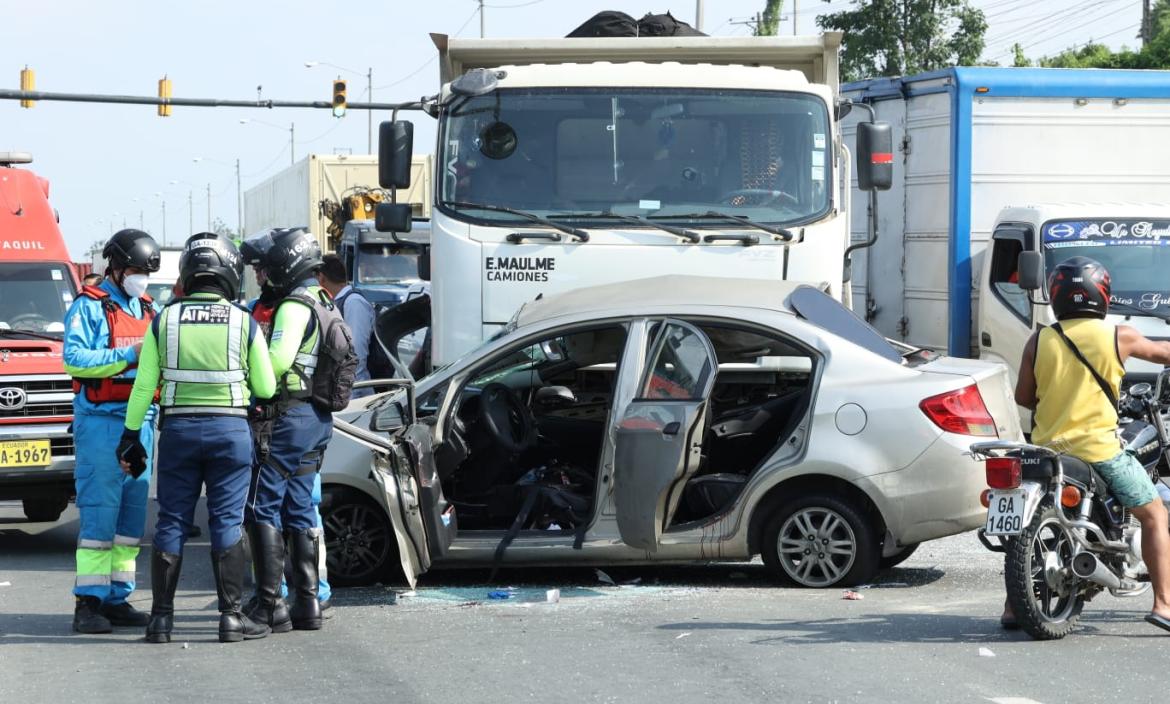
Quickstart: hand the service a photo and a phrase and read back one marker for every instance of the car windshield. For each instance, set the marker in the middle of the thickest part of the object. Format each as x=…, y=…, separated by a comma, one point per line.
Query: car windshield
x=34, y=296
x=763, y=155
x=1135, y=252
x=160, y=292
x=384, y=264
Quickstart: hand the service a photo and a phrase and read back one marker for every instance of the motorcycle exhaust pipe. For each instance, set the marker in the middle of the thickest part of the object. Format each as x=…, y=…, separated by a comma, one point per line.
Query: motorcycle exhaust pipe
x=1086, y=566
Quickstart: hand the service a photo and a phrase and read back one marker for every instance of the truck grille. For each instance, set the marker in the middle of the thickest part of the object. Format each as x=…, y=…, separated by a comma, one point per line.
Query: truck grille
x=45, y=397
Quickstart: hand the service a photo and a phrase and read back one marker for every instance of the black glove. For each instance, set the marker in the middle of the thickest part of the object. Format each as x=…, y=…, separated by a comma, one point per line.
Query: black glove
x=131, y=451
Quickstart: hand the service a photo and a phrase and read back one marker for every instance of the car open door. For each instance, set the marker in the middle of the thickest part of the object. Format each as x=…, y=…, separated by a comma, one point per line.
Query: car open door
x=403, y=468
x=660, y=432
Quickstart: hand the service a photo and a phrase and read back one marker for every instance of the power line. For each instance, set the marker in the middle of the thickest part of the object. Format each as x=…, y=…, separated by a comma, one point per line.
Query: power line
x=509, y=7
x=1029, y=31
x=431, y=60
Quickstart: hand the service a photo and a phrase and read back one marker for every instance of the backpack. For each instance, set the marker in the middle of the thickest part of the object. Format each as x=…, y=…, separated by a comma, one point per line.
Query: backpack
x=332, y=381
x=607, y=24
x=665, y=26
x=377, y=363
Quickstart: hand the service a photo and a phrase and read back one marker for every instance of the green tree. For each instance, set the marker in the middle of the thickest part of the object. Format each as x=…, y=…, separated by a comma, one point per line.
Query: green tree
x=898, y=37
x=1154, y=55
x=1019, y=60
x=219, y=227
x=770, y=20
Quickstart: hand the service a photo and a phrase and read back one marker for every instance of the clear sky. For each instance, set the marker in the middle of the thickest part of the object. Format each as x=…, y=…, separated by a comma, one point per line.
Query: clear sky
x=115, y=164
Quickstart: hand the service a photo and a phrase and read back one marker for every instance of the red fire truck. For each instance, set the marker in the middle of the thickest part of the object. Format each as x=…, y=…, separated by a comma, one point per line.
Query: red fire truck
x=37, y=284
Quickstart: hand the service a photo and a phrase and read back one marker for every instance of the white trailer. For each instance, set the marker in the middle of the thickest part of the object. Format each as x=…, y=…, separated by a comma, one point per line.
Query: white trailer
x=974, y=141
x=292, y=197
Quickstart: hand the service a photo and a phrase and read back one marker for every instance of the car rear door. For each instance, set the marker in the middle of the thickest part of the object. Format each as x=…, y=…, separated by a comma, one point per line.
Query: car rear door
x=402, y=467
x=658, y=441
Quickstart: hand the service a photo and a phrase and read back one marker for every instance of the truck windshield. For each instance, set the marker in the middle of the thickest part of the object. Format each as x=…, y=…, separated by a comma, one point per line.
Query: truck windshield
x=377, y=265
x=762, y=155
x=1135, y=252
x=34, y=296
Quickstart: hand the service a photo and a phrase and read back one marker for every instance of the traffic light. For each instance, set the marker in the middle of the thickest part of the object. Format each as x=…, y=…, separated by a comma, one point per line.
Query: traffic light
x=339, y=98
x=164, y=92
x=28, y=82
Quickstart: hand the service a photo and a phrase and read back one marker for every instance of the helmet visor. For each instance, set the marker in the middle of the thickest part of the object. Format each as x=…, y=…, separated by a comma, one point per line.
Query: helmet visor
x=256, y=247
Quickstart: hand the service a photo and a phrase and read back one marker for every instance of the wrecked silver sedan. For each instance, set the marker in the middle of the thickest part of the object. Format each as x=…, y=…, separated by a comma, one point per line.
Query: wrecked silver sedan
x=667, y=420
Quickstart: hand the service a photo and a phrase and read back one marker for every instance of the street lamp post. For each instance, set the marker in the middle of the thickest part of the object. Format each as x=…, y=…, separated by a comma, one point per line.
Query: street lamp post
x=369, y=95
x=239, y=194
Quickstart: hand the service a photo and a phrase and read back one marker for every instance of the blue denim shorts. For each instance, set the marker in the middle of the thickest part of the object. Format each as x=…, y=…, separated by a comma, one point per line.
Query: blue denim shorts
x=1127, y=480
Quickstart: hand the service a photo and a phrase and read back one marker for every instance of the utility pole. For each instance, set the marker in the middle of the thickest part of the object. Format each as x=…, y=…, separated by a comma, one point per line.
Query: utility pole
x=209, y=207
x=239, y=204
x=370, y=113
x=292, y=143
x=141, y=220
x=794, y=18
x=190, y=212
x=1145, y=23
x=481, y=19
x=698, y=18
x=164, y=222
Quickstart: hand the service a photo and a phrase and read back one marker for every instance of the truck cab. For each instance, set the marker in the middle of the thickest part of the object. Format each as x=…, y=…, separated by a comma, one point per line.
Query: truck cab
x=383, y=267
x=569, y=163
x=37, y=285
x=1132, y=241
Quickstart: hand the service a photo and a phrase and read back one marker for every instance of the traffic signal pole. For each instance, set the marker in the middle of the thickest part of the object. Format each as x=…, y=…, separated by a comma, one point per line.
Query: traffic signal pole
x=32, y=95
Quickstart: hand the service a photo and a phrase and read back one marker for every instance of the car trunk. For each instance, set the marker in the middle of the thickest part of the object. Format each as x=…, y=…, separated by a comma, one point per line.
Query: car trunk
x=994, y=387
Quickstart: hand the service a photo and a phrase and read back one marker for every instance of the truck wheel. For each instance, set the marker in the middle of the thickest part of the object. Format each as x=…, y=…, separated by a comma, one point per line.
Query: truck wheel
x=45, y=510
x=820, y=541
x=359, y=540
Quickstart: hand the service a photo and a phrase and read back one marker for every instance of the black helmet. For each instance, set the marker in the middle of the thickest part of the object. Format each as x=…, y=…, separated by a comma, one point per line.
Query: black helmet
x=132, y=248
x=293, y=256
x=210, y=255
x=254, y=249
x=1079, y=288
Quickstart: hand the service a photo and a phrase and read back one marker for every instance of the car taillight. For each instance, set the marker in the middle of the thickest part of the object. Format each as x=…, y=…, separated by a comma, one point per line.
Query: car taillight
x=961, y=412
x=1003, y=472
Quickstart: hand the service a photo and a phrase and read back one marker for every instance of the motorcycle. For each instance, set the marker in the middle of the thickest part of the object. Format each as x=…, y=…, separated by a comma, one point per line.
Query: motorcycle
x=1064, y=537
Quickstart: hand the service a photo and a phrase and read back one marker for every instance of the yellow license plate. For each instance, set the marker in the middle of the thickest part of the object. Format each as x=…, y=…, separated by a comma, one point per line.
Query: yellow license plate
x=25, y=453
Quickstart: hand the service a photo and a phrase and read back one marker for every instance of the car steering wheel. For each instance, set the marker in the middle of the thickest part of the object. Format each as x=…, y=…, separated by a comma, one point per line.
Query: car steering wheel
x=765, y=195
x=506, y=418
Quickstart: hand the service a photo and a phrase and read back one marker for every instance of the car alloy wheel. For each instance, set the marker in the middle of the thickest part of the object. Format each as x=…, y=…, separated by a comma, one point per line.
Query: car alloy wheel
x=357, y=539
x=820, y=541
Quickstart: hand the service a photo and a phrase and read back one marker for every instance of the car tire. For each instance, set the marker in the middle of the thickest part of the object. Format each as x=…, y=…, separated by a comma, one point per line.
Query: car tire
x=889, y=561
x=46, y=510
x=828, y=543
x=360, y=548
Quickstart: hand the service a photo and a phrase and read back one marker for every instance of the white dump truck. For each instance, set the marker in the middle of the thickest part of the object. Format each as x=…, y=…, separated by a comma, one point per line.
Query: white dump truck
x=567, y=163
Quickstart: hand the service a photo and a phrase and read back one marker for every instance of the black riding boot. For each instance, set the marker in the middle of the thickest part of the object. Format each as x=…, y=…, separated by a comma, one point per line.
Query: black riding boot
x=87, y=616
x=164, y=578
x=228, y=566
x=268, y=565
x=306, y=612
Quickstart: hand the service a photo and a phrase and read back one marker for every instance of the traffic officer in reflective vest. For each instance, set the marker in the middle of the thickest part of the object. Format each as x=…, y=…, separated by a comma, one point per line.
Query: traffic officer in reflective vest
x=103, y=336
x=206, y=357
x=280, y=498
x=263, y=309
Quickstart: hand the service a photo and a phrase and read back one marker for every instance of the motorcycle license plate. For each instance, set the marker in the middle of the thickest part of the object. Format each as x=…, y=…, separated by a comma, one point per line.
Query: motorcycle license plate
x=1005, y=512
x=25, y=453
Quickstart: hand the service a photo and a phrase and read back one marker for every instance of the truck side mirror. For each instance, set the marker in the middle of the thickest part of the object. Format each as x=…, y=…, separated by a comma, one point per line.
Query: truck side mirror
x=392, y=217
x=875, y=156
x=1030, y=268
x=395, y=151
x=424, y=263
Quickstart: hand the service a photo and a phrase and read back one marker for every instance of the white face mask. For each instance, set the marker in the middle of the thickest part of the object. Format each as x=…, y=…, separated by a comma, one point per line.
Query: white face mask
x=135, y=285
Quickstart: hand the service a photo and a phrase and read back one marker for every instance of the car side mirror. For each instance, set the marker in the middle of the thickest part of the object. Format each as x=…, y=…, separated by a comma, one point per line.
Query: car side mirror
x=395, y=152
x=555, y=397
x=392, y=217
x=875, y=156
x=1030, y=268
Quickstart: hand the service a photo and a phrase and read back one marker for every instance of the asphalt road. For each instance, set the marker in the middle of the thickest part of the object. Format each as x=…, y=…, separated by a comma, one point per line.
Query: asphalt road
x=926, y=631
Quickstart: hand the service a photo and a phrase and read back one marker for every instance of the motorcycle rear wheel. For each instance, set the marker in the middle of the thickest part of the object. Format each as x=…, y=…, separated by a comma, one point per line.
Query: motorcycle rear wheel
x=1044, y=594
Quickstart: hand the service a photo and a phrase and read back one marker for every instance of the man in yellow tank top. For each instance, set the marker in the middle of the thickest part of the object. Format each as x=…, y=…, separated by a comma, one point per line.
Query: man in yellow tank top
x=1073, y=414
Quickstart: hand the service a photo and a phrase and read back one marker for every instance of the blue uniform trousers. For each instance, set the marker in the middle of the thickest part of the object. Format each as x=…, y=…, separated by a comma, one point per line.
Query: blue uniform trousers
x=199, y=450
x=282, y=488
x=111, y=505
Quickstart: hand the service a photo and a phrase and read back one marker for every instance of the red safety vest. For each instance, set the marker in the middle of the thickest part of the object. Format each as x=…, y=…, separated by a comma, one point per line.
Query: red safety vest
x=125, y=331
